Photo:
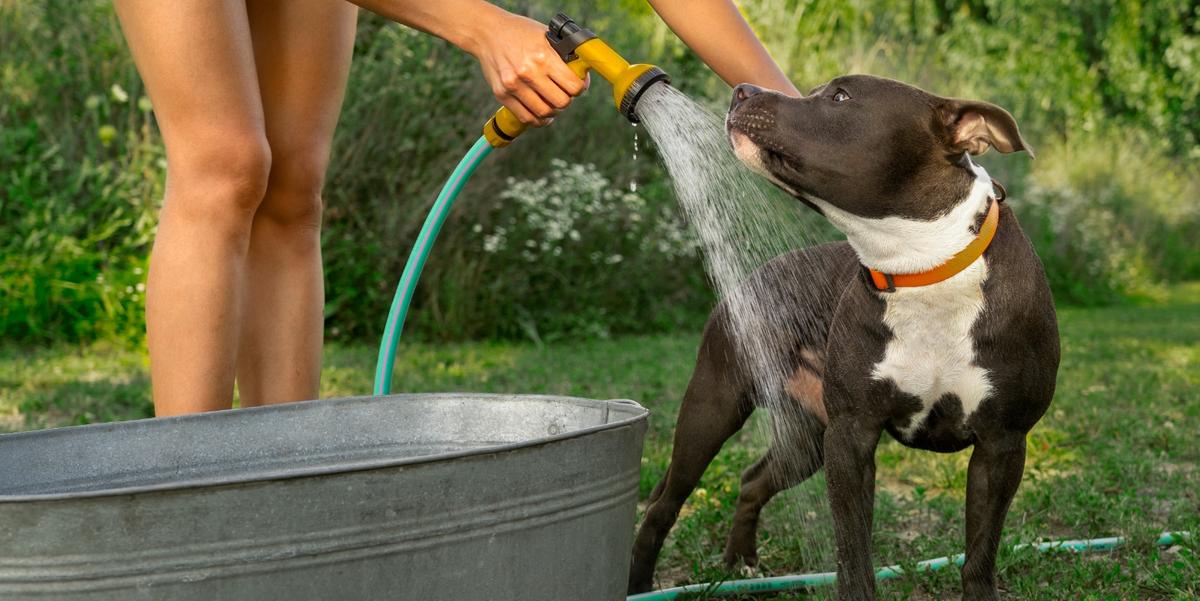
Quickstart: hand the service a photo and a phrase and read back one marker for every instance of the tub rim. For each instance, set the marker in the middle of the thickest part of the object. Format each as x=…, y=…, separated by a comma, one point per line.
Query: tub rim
x=635, y=413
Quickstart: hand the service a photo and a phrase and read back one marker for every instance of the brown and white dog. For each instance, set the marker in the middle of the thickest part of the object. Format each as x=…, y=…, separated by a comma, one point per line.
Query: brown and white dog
x=933, y=321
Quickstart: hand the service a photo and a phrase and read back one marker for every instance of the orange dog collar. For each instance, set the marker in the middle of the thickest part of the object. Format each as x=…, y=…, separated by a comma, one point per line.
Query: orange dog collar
x=889, y=282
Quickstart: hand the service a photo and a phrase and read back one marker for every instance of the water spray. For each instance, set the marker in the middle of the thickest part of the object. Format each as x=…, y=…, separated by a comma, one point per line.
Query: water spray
x=584, y=52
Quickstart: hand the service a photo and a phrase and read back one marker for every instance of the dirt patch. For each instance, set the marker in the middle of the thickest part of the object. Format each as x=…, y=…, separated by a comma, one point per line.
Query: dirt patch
x=1169, y=468
x=11, y=422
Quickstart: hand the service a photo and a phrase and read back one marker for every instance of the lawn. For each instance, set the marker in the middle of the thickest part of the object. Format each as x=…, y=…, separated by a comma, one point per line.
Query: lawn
x=1116, y=454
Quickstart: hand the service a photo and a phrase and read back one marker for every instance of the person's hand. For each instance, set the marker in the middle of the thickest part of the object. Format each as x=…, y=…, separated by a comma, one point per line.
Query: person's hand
x=525, y=73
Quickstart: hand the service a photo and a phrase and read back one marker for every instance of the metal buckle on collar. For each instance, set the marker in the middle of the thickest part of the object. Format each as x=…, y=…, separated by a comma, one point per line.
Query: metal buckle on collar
x=999, y=193
x=887, y=278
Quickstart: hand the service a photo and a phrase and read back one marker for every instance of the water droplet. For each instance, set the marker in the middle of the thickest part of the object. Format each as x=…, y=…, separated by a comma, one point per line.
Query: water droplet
x=635, y=141
x=633, y=182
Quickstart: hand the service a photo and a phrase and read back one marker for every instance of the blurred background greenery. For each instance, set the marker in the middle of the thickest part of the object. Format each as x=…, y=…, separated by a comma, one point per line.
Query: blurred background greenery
x=1105, y=90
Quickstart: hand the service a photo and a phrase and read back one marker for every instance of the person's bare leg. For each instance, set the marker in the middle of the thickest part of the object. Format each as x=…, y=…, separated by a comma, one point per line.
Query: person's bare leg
x=196, y=59
x=302, y=51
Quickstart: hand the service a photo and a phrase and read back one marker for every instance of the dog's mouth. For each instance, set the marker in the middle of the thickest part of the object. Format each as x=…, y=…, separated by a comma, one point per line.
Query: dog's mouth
x=755, y=145
x=757, y=128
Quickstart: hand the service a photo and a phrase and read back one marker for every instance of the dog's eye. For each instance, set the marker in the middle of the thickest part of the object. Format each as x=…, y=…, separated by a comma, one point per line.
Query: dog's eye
x=841, y=96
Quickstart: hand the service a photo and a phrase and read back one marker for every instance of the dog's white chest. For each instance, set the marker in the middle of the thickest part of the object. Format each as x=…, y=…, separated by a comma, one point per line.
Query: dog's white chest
x=931, y=353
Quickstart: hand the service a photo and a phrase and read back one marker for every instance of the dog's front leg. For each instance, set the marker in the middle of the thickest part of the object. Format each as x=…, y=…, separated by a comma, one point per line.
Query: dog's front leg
x=992, y=480
x=850, y=470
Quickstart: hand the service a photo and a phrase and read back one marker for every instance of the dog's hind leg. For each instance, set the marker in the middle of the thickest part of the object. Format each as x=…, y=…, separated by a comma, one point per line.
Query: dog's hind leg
x=714, y=408
x=795, y=454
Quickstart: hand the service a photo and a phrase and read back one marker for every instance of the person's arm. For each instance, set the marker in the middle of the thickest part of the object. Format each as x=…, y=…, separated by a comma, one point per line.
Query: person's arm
x=716, y=31
x=524, y=72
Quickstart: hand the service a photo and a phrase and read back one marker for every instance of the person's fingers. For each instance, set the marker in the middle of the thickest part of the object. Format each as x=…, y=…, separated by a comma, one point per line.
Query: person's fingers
x=533, y=74
x=551, y=93
x=566, y=80
x=518, y=110
x=534, y=105
x=522, y=100
x=510, y=99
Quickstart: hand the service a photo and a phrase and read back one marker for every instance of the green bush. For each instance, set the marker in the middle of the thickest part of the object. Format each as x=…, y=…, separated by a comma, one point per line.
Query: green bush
x=81, y=168
x=573, y=254
x=1095, y=85
x=1111, y=217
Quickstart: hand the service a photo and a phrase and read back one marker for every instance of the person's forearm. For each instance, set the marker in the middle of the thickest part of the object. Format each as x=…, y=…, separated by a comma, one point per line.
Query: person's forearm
x=716, y=31
x=525, y=74
x=459, y=22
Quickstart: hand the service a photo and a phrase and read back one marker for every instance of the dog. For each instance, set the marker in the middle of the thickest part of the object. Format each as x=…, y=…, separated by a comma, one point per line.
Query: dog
x=932, y=321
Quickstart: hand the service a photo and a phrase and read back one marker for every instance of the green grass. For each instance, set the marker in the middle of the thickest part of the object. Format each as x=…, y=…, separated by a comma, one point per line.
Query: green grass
x=1116, y=455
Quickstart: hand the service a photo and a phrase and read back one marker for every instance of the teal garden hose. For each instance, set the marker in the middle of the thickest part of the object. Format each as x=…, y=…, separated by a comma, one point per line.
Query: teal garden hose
x=775, y=584
x=416, y=262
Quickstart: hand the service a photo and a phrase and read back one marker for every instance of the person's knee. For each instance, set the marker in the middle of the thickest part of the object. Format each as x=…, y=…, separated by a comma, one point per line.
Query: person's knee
x=293, y=197
x=222, y=182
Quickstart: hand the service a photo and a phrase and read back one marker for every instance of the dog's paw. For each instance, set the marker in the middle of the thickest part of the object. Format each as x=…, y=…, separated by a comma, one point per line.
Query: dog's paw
x=739, y=554
x=750, y=571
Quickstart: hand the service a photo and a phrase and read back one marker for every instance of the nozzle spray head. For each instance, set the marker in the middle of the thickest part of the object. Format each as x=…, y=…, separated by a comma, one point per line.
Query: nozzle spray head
x=583, y=51
x=573, y=42
x=634, y=90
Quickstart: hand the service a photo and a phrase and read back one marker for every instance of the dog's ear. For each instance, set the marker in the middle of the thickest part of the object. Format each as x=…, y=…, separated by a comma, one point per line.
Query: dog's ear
x=973, y=125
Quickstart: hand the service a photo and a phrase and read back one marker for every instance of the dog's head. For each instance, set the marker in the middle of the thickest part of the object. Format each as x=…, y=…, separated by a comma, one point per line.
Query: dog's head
x=870, y=146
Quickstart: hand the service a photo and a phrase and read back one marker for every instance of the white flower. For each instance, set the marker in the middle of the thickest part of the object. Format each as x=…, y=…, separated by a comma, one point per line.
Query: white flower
x=118, y=93
x=492, y=243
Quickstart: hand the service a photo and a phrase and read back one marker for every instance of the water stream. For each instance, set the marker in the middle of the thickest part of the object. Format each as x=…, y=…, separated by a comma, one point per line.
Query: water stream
x=743, y=222
x=633, y=181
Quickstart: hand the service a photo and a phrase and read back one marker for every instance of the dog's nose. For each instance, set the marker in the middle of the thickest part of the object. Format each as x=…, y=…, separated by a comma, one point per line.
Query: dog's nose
x=742, y=92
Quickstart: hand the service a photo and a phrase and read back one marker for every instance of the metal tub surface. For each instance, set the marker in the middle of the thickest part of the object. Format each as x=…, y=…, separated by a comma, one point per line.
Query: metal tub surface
x=429, y=496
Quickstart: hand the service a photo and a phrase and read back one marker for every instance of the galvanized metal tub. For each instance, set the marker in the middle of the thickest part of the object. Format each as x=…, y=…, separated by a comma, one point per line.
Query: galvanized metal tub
x=429, y=496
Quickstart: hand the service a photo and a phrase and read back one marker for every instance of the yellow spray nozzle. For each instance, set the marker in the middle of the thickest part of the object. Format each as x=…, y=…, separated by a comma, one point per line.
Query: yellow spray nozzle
x=627, y=80
x=583, y=51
